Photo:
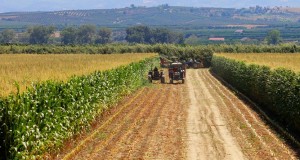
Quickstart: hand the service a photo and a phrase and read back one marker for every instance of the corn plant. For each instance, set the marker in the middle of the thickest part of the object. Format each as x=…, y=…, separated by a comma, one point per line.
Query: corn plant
x=276, y=91
x=42, y=118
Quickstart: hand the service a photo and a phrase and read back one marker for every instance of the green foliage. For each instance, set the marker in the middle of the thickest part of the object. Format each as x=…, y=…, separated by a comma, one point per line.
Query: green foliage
x=144, y=34
x=42, y=118
x=273, y=37
x=277, y=91
x=138, y=34
x=7, y=36
x=104, y=36
x=86, y=34
x=40, y=34
x=69, y=35
x=192, y=40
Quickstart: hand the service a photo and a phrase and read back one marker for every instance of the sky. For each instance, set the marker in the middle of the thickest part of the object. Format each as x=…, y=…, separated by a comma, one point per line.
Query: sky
x=55, y=5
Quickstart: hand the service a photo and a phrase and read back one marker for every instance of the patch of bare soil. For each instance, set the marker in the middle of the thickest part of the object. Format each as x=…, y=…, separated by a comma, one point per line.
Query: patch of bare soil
x=151, y=126
x=208, y=131
x=254, y=137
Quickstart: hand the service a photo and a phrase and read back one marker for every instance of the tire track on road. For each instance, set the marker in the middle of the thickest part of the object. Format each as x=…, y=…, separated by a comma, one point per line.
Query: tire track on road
x=276, y=150
x=208, y=135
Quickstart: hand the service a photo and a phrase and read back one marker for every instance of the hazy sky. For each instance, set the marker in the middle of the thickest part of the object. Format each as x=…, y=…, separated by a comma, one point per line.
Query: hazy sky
x=50, y=5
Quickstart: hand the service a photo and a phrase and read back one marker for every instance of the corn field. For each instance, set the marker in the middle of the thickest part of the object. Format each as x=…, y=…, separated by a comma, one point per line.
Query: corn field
x=25, y=69
x=272, y=60
x=40, y=119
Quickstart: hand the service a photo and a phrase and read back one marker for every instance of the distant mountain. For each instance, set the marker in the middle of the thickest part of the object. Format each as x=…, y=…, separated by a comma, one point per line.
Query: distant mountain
x=163, y=15
x=54, y=5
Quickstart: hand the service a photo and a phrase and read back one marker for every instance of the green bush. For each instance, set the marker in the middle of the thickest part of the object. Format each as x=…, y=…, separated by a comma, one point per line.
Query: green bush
x=277, y=91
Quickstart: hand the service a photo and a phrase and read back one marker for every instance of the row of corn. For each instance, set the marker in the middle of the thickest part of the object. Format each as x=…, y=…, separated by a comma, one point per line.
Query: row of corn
x=276, y=91
x=39, y=120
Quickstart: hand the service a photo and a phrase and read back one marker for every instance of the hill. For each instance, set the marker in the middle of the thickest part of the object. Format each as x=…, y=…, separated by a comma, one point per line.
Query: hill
x=163, y=15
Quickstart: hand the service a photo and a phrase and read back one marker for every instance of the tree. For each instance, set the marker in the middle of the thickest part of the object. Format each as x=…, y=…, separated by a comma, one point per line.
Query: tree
x=138, y=34
x=160, y=35
x=40, y=34
x=192, y=40
x=104, y=36
x=86, y=34
x=176, y=38
x=273, y=37
x=69, y=35
x=7, y=36
x=143, y=34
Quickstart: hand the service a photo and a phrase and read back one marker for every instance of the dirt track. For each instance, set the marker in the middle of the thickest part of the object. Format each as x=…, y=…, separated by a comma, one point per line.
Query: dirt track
x=198, y=120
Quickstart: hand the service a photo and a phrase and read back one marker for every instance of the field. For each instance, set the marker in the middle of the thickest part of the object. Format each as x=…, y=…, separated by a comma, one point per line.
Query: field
x=27, y=68
x=201, y=119
x=116, y=114
x=273, y=60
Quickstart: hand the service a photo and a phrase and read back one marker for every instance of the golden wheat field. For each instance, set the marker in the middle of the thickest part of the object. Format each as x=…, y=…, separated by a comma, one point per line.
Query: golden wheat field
x=273, y=60
x=29, y=68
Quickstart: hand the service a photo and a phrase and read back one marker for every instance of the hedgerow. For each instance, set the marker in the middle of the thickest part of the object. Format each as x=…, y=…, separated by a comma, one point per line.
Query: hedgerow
x=276, y=91
x=40, y=119
x=144, y=48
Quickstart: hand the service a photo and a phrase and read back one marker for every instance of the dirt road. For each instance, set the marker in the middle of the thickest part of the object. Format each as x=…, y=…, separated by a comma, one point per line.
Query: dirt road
x=201, y=119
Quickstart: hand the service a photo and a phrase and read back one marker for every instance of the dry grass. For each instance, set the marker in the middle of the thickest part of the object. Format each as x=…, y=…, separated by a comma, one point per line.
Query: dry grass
x=273, y=60
x=25, y=69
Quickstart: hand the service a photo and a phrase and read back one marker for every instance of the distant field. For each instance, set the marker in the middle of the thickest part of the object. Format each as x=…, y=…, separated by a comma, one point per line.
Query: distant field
x=248, y=26
x=289, y=61
x=25, y=69
x=295, y=10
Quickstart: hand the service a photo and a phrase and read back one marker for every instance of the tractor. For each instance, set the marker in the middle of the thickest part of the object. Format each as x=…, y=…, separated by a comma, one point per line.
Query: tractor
x=156, y=75
x=177, y=72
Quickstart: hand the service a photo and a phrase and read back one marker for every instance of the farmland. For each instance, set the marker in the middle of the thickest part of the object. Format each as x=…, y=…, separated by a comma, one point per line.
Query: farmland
x=108, y=110
x=25, y=69
x=273, y=60
x=47, y=113
x=196, y=120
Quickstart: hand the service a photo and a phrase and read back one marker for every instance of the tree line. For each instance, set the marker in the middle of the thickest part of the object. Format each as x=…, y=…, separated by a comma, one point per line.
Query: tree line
x=90, y=34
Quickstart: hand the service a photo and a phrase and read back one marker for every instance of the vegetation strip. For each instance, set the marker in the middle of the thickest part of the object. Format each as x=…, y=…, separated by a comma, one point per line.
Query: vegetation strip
x=165, y=49
x=40, y=119
x=83, y=142
x=266, y=87
x=261, y=112
x=248, y=122
x=274, y=143
x=248, y=110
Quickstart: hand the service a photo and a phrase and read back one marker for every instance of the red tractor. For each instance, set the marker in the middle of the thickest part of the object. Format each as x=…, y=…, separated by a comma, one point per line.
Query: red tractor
x=177, y=72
